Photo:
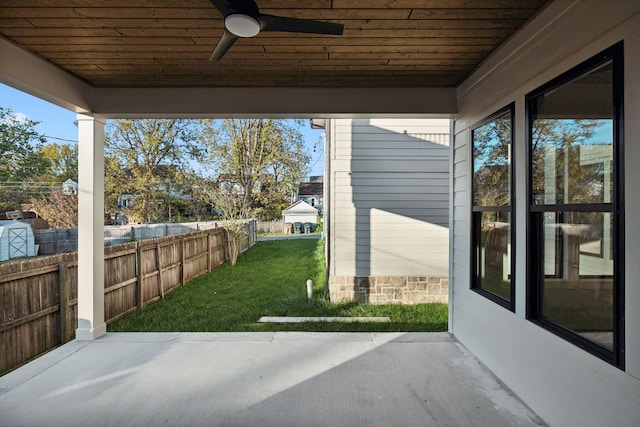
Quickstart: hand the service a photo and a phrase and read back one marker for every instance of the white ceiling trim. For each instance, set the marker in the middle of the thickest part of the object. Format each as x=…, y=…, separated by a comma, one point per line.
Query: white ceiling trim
x=30, y=74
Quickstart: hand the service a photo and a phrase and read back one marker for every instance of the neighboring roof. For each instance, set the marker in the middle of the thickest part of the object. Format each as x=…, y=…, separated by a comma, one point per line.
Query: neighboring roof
x=310, y=188
x=300, y=207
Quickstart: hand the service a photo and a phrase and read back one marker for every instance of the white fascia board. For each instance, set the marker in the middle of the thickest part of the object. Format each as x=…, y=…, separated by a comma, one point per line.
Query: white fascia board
x=26, y=72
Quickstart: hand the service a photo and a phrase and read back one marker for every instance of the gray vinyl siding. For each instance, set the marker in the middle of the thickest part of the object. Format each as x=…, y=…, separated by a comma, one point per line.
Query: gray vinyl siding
x=461, y=208
x=390, y=197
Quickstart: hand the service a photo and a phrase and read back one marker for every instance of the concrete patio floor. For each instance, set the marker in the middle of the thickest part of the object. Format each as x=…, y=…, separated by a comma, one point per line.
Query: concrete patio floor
x=260, y=379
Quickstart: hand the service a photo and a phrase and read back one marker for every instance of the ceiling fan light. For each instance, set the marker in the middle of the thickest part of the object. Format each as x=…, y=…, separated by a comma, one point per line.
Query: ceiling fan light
x=242, y=25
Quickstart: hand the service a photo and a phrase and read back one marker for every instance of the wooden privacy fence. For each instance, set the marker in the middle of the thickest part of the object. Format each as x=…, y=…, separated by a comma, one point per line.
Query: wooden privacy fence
x=270, y=226
x=39, y=297
x=139, y=273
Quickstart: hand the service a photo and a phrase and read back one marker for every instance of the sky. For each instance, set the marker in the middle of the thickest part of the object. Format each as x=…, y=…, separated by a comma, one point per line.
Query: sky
x=57, y=123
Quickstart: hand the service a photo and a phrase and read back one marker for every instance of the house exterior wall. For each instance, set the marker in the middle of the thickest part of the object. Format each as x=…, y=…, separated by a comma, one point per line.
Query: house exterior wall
x=315, y=200
x=562, y=383
x=300, y=217
x=388, y=210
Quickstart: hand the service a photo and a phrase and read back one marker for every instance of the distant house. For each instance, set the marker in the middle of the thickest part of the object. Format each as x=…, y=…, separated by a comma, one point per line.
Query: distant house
x=300, y=212
x=127, y=201
x=70, y=187
x=165, y=192
x=312, y=192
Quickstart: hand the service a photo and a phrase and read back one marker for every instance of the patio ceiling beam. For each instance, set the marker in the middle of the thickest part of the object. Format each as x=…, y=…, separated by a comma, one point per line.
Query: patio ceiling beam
x=274, y=102
x=30, y=74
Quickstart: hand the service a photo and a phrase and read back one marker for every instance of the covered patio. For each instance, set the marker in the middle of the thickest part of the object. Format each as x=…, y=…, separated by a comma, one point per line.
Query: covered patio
x=471, y=62
x=260, y=379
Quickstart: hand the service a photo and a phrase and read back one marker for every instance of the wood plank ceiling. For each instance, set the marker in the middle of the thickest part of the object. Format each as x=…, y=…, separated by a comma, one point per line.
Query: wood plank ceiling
x=167, y=43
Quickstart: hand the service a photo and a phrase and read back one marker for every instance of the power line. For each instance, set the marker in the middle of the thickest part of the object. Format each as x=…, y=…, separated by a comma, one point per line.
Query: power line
x=320, y=157
x=27, y=187
x=60, y=139
x=320, y=149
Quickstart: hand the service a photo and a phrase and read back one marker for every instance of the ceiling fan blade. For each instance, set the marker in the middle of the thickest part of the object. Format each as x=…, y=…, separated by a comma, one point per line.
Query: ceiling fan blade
x=248, y=7
x=227, y=40
x=295, y=25
x=224, y=6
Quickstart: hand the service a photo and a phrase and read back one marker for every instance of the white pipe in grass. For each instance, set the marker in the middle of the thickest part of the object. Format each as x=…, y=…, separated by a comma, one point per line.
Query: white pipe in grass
x=309, y=289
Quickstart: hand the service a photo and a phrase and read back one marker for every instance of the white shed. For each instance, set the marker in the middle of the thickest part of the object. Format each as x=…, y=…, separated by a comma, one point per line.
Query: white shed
x=301, y=212
x=16, y=240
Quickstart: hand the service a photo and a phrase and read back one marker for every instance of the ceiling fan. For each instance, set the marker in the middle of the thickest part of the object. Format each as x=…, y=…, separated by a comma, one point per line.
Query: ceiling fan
x=242, y=18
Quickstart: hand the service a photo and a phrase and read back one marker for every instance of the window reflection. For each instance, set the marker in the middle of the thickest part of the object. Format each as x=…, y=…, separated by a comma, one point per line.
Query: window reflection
x=572, y=187
x=571, y=144
x=494, y=253
x=492, y=182
x=491, y=160
x=577, y=291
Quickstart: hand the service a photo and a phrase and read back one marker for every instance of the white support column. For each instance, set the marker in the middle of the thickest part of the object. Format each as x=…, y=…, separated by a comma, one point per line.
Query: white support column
x=91, y=324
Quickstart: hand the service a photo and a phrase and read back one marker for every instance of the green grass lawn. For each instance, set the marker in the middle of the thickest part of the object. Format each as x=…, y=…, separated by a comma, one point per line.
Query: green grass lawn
x=270, y=280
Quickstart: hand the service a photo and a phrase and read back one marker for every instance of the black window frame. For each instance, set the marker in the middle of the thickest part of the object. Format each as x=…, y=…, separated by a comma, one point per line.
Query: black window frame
x=476, y=214
x=615, y=54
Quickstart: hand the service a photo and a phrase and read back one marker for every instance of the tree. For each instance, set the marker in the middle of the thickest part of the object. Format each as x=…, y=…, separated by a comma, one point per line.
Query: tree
x=19, y=144
x=58, y=209
x=113, y=182
x=234, y=215
x=557, y=146
x=20, y=159
x=491, y=157
x=560, y=144
x=260, y=161
x=202, y=192
x=147, y=158
x=62, y=161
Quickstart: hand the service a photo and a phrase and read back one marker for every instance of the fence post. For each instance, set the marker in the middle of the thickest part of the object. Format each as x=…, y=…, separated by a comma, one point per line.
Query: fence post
x=65, y=315
x=139, y=281
x=182, y=259
x=208, y=251
x=254, y=224
x=159, y=267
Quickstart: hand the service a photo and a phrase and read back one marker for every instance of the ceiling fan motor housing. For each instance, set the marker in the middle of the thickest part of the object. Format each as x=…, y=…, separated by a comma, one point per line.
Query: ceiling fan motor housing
x=242, y=25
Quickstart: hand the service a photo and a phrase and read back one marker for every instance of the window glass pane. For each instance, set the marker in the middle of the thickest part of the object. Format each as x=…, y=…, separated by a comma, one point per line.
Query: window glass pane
x=576, y=253
x=577, y=290
x=491, y=159
x=572, y=141
x=493, y=252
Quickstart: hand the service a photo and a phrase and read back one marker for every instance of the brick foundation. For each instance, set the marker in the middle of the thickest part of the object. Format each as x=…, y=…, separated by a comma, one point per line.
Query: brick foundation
x=389, y=290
